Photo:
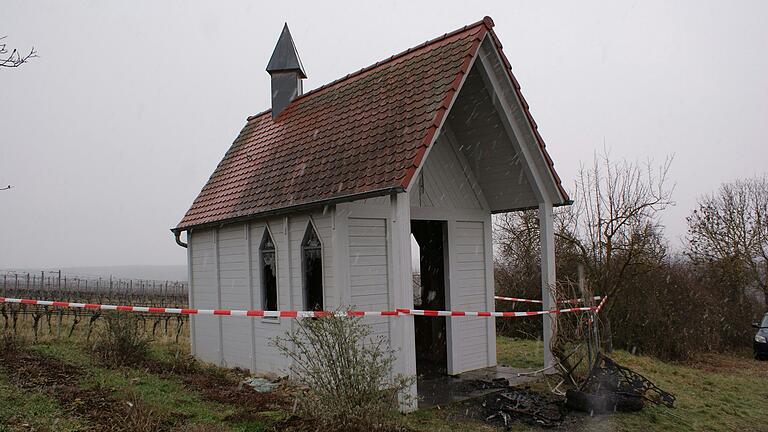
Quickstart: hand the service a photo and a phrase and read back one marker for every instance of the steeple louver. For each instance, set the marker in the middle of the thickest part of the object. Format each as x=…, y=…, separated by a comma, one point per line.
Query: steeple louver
x=286, y=71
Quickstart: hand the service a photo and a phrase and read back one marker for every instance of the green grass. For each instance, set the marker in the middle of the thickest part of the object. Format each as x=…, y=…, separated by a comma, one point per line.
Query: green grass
x=166, y=396
x=434, y=420
x=70, y=353
x=520, y=353
x=714, y=393
x=719, y=393
x=22, y=410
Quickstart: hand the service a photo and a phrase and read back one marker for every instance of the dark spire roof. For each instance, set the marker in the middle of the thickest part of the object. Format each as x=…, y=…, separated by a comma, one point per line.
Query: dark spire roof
x=285, y=57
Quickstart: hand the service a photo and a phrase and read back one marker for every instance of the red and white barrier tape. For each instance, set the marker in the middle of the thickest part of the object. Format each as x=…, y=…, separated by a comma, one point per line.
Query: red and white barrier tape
x=491, y=314
x=292, y=314
x=600, y=306
x=522, y=300
x=221, y=312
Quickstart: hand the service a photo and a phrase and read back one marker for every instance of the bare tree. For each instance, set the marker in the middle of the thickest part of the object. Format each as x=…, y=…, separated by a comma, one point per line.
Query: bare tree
x=732, y=226
x=15, y=58
x=614, y=224
x=517, y=237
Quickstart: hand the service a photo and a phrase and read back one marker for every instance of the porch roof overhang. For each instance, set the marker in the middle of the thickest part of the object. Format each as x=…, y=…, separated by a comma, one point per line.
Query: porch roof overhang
x=490, y=126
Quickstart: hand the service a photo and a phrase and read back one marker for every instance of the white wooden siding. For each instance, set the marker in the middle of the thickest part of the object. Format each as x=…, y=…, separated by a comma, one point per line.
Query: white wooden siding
x=443, y=181
x=267, y=358
x=323, y=223
x=469, y=336
x=220, y=273
x=235, y=294
x=368, y=270
x=204, y=295
x=220, y=279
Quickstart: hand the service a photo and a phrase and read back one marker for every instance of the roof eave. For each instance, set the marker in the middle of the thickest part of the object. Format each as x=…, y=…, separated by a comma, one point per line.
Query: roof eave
x=536, y=207
x=294, y=208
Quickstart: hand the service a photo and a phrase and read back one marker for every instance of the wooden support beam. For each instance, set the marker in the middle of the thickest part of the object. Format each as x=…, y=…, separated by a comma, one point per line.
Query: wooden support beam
x=402, y=335
x=547, y=225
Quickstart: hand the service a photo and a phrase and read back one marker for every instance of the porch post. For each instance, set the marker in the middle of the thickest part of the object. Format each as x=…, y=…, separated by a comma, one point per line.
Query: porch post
x=402, y=337
x=547, y=225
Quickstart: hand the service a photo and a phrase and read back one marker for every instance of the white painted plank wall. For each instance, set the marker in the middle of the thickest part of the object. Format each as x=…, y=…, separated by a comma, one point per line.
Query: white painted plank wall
x=323, y=225
x=442, y=182
x=470, y=335
x=267, y=358
x=368, y=270
x=245, y=341
x=205, y=295
x=235, y=294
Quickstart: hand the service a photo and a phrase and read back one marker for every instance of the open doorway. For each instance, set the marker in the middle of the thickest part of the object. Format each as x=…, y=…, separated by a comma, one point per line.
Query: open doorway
x=429, y=240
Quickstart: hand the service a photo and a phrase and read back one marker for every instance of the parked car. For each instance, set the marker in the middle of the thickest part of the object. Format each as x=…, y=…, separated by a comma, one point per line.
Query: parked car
x=761, y=339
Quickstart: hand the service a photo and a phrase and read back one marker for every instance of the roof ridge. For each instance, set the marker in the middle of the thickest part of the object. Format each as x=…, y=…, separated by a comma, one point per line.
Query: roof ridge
x=486, y=21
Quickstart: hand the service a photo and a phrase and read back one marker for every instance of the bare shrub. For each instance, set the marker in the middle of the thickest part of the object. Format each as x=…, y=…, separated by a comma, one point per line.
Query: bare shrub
x=517, y=269
x=347, y=374
x=730, y=229
x=667, y=305
x=10, y=344
x=680, y=310
x=614, y=225
x=122, y=341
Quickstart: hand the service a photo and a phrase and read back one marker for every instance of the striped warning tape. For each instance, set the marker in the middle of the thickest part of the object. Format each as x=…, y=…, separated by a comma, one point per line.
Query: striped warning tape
x=221, y=312
x=491, y=314
x=522, y=300
x=600, y=306
x=293, y=314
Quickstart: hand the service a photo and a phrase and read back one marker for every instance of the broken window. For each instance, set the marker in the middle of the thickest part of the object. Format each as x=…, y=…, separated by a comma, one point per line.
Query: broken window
x=312, y=268
x=268, y=273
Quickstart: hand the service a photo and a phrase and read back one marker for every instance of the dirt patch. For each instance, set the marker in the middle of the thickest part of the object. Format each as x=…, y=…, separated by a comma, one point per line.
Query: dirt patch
x=225, y=386
x=34, y=371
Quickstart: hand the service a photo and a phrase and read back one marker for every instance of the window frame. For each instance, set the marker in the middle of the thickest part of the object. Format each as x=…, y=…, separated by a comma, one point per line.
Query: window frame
x=262, y=299
x=304, y=291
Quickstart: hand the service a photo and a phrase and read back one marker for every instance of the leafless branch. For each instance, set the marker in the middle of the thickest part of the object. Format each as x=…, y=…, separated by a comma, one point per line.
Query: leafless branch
x=14, y=58
x=732, y=226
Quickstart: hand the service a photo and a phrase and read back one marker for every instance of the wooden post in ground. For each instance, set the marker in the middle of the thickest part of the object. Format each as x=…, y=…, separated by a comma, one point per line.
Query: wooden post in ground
x=548, y=278
x=402, y=340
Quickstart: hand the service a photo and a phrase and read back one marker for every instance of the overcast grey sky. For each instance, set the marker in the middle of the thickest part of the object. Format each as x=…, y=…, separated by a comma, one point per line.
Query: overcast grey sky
x=111, y=133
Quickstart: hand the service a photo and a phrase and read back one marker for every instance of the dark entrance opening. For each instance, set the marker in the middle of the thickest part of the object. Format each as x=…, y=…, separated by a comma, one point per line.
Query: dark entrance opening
x=429, y=286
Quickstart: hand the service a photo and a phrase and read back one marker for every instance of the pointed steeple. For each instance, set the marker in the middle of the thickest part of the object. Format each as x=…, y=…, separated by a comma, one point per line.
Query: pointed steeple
x=285, y=57
x=286, y=71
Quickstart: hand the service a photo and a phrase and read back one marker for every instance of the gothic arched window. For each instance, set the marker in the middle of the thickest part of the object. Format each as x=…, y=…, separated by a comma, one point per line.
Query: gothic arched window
x=268, y=273
x=312, y=269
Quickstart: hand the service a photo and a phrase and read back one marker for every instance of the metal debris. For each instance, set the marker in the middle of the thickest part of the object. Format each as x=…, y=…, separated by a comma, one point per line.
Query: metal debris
x=261, y=385
x=502, y=408
x=611, y=387
x=483, y=384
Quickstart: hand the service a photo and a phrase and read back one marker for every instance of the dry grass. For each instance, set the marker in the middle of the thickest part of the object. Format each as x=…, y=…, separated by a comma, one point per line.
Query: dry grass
x=58, y=385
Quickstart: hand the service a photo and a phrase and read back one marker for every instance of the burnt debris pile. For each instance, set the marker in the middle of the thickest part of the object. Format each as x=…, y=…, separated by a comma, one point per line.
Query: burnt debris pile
x=610, y=387
x=504, y=407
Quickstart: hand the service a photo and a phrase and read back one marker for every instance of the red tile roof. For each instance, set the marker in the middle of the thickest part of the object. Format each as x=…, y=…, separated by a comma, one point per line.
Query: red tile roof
x=362, y=135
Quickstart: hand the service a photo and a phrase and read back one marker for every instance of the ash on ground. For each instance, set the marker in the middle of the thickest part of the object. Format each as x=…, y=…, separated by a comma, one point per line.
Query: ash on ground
x=508, y=405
